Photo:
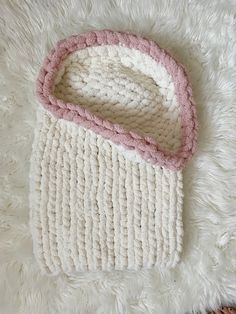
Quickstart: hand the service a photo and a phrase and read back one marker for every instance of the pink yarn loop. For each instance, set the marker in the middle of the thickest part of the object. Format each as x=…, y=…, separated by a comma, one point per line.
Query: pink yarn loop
x=147, y=147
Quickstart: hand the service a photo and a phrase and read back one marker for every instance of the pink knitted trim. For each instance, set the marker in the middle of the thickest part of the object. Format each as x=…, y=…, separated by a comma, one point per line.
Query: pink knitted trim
x=146, y=146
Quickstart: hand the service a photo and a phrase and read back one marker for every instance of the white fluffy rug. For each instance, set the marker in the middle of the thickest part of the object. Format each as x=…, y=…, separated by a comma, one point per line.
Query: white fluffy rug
x=201, y=35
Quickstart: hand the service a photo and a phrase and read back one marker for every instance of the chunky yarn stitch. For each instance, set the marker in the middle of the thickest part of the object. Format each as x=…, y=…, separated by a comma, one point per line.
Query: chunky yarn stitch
x=117, y=126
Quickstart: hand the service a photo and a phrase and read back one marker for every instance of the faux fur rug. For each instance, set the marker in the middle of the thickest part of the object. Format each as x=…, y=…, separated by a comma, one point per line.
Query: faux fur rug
x=202, y=36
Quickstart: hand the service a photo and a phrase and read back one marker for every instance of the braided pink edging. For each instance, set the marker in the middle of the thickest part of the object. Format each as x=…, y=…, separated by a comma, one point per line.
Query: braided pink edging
x=146, y=146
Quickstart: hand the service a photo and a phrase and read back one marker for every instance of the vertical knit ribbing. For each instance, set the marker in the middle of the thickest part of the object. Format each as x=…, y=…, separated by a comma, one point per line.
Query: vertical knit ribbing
x=165, y=215
x=35, y=195
x=109, y=207
x=101, y=205
x=172, y=214
x=44, y=187
x=138, y=250
x=59, y=196
x=95, y=209
x=130, y=214
x=94, y=204
x=151, y=205
x=52, y=200
x=144, y=213
x=115, y=196
x=158, y=216
x=179, y=221
x=73, y=200
x=65, y=205
x=123, y=213
x=80, y=187
x=87, y=202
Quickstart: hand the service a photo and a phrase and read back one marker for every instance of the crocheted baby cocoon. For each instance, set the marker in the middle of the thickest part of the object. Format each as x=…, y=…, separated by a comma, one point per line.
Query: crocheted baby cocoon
x=115, y=127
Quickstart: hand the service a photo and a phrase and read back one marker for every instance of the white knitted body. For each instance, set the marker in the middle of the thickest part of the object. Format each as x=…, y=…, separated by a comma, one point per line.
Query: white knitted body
x=115, y=130
x=93, y=207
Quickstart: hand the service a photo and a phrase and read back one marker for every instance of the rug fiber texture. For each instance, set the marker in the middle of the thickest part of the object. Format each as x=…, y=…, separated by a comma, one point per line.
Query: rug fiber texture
x=202, y=36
